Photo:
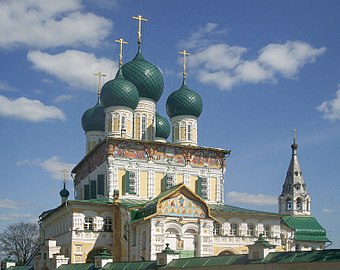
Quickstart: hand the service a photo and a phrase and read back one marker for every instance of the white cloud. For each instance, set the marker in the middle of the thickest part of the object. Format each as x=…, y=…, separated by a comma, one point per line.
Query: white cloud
x=76, y=68
x=225, y=66
x=9, y=204
x=63, y=98
x=54, y=166
x=331, y=108
x=327, y=210
x=257, y=199
x=29, y=110
x=48, y=23
x=16, y=216
x=288, y=58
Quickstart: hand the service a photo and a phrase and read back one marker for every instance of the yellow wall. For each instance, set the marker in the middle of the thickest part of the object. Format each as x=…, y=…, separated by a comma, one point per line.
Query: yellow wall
x=213, y=182
x=158, y=182
x=192, y=183
x=143, y=184
x=121, y=175
x=179, y=178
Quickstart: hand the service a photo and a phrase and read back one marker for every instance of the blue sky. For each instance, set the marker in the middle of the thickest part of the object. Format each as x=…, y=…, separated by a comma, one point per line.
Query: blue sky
x=262, y=68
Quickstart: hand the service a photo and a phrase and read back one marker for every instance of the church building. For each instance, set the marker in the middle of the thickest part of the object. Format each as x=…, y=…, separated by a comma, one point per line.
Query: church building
x=137, y=191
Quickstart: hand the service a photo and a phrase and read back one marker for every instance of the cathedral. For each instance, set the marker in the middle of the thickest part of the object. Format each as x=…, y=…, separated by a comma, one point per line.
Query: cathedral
x=137, y=191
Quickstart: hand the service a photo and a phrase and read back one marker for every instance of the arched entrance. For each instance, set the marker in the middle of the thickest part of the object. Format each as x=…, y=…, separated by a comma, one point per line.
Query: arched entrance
x=95, y=252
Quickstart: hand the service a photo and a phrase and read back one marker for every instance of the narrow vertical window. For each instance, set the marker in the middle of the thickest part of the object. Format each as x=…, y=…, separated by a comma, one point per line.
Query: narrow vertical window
x=234, y=229
x=107, y=225
x=143, y=128
x=266, y=230
x=88, y=224
x=189, y=132
x=123, y=124
x=250, y=229
x=217, y=228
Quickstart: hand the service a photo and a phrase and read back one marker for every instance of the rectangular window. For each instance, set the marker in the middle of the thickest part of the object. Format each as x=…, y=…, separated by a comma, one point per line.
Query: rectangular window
x=100, y=182
x=189, y=132
x=130, y=182
x=217, y=228
x=202, y=187
x=88, y=224
x=86, y=192
x=266, y=230
x=233, y=229
x=93, y=189
x=123, y=123
x=250, y=229
x=169, y=181
x=107, y=225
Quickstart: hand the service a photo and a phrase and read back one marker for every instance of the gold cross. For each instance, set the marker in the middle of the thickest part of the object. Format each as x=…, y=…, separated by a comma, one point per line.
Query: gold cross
x=65, y=171
x=294, y=135
x=99, y=74
x=121, y=41
x=140, y=19
x=185, y=53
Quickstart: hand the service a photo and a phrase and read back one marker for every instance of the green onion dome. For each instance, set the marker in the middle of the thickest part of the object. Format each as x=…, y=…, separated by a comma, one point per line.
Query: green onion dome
x=119, y=92
x=145, y=76
x=184, y=102
x=162, y=127
x=94, y=118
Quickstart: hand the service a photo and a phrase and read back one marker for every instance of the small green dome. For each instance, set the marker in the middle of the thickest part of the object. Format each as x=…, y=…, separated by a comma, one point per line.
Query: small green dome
x=94, y=118
x=184, y=102
x=145, y=76
x=162, y=127
x=119, y=92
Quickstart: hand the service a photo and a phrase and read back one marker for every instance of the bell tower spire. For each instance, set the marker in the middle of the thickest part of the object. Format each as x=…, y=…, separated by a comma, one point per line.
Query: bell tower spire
x=294, y=199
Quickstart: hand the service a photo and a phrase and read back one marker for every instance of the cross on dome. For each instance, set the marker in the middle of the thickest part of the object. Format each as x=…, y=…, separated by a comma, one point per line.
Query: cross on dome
x=140, y=19
x=100, y=75
x=121, y=41
x=184, y=53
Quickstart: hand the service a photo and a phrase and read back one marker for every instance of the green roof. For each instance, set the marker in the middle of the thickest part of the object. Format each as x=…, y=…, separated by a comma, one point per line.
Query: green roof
x=184, y=102
x=328, y=255
x=331, y=255
x=119, y=92
x=130, y=265
x=207, y=261
x=234, y=209
x=306, y=228
x=162, y=127
x=94, y=118
x=77, y=266
x=145, y=76
x=25, y=267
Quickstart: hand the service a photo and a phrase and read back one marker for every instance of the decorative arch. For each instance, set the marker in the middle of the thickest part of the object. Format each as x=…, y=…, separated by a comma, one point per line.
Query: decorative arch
x=227, y=251
x=95, y=252
x=173, y=226
x=190, y=227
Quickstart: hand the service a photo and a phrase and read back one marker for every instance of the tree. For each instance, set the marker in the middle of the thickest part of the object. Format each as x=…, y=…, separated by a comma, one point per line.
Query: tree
x=20, y=240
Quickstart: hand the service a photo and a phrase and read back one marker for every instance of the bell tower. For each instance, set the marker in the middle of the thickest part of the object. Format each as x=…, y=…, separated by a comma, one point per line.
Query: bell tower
x=294, y=199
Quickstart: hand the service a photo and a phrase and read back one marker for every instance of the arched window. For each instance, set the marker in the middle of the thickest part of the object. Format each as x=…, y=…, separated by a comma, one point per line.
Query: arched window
x=189, y=132
x=107, y=225
x=289, y=204
x=123, y=123
x=234, y=229
x=143, y=127
x=299, y=204
x=250, y=229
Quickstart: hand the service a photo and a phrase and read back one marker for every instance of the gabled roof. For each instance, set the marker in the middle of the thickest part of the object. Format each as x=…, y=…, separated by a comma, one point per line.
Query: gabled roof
x=78, y=266
x=224, y=208
x=306, y=228
x=149, y=209
x=130, y=265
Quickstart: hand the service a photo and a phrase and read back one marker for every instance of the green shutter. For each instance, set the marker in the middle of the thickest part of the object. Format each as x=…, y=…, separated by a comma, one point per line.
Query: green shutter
x=100, y=183
x=199, y=186
x=127, y=182
x=93, y=189
x=86, y=192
